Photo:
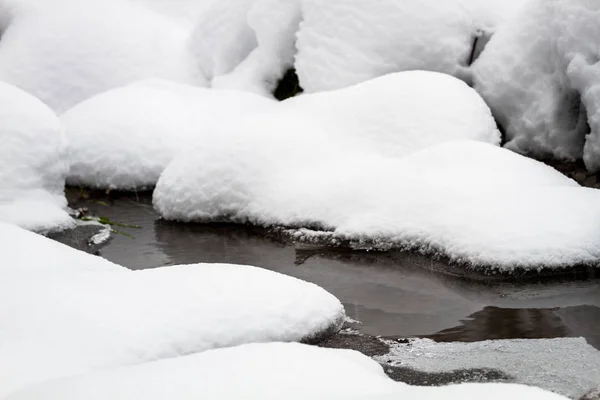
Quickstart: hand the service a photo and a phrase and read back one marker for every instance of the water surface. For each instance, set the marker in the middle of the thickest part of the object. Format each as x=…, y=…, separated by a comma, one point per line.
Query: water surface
x=391, y=296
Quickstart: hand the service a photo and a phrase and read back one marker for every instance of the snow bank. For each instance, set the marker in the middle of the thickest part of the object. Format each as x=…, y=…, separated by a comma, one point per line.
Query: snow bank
x=65, y=312
x=33, y=162
x=66, y=51
x=124, y=138
x=262, y=371
x=539, y=75
x=533, y=362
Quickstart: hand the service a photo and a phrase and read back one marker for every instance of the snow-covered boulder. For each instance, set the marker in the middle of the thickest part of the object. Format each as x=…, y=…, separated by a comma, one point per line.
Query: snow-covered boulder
x=540, y=75
x=124, y=138
x=33, y=162
x=473, y=202
x=264, y=371
x=65, y=312
x=66, y=51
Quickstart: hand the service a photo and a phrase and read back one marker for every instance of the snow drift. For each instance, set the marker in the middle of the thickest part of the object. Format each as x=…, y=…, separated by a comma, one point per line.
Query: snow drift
x=65, y=312
x=540, y=76
x=33, y=162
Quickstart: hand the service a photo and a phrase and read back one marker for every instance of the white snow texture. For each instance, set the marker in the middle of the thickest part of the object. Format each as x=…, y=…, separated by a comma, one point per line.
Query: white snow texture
x=125, y=137
x=539, y=74
x=66, y=51
x=33, y=162
x=65, y=312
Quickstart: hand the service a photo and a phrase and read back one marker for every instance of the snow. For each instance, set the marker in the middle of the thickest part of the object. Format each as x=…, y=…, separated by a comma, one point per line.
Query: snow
x=534, y=362
x=275, y=24
x=66, y=51
x=401, y=113
x=392, y=189
x=341, y=43
x=539, y=75
x=65, y=312
x=33, y=163
x=265, y=371
x=124, y=138
x=457, y=198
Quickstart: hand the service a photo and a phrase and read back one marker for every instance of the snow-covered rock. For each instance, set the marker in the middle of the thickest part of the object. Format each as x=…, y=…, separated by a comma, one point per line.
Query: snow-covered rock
x=263, y=371
x=124, y=138
x=65, y=312
x=66, y=51
x=457, y=198
x=540, y=75
x=348, y=162
x=33, y=162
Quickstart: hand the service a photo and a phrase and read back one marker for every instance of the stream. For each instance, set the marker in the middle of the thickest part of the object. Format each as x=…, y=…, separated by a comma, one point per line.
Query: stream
x=391, y=296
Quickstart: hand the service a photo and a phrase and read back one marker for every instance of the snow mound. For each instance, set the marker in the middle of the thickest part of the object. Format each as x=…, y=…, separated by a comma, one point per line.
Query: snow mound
x=263, y=371
x=65, y=312
x=398, y=114
x=66, y=51
x=33, y=162
x=539, y=74
x=124, y=138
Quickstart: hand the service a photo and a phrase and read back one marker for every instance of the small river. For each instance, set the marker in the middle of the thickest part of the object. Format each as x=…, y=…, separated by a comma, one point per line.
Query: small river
x=392, y=296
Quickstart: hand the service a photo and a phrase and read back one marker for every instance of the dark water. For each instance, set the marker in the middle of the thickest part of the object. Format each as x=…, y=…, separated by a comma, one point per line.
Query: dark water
x=391, y=296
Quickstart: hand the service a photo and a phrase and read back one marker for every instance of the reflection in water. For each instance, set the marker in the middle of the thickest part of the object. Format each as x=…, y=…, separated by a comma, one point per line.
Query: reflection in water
x=502, y=323
x=393, y=295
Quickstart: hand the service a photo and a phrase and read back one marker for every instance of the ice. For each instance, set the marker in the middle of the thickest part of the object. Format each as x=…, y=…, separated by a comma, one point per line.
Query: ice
x=65, y=312
x=66, y=51
x=263, y=371
x=534, y=362
x=124, y=138
x=33, y=162
x=539, y=75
